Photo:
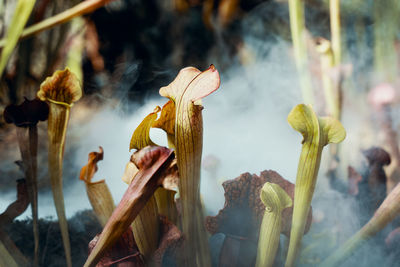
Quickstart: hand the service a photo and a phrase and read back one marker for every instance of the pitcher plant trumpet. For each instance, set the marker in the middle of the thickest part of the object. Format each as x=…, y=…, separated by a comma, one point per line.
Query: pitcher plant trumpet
x=60, y=91
x=186, y=91
x=98, y=192
x=317, y=132
x=298, y=32
x=275, y=200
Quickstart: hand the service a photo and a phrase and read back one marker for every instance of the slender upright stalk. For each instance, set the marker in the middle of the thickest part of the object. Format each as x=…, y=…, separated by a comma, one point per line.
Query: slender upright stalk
x=297, y=28
x=26, y=116
x=317, y=132
x=334, y=7
x=324, y=48
x=275, y=200
x=386, y=14
x=28, y=144
x=60, y=91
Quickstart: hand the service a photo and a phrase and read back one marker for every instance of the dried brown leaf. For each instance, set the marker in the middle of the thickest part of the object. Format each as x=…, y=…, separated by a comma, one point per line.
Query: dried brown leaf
x=88, y=171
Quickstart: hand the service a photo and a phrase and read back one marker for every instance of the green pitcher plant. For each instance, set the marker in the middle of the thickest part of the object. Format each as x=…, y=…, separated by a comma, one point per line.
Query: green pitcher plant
x=275, y=200
x=317, y=132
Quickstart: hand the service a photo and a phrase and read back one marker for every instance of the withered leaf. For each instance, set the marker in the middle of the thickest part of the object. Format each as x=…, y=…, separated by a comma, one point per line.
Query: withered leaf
x=88, y=171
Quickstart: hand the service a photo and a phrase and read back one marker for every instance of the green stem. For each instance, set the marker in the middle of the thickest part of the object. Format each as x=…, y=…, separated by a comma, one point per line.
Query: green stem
x=385, y=32
x=297, y=27
x=327, y=61
x=334, y=6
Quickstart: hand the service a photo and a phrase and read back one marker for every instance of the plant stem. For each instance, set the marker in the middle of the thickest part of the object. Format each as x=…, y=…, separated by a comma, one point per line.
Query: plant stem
x=334, y=6
x=297, y=27
x=385, y=31
x=28, y=144
x=327, y=62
